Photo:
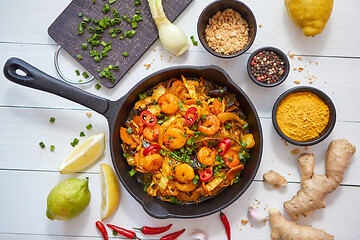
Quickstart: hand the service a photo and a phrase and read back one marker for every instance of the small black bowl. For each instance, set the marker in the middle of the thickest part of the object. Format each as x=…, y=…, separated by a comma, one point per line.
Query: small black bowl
x=327, y=130
x=283, y=57
x=222, y=5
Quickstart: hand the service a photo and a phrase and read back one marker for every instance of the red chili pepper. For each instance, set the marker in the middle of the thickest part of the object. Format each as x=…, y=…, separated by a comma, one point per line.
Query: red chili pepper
x=148, y=118
x=191, y=115
x=150, y=148
x=154, y=230
x=100, y=226
x=206, y=175
x=126, y=233
x=224, y=145
x=172, y=236
x=226, y=224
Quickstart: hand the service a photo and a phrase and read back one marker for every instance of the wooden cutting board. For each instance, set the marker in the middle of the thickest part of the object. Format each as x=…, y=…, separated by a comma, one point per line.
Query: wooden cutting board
x=64, y=31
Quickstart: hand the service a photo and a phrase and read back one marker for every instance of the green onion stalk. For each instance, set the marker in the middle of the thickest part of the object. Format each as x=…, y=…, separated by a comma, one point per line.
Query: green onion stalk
x=171, y=36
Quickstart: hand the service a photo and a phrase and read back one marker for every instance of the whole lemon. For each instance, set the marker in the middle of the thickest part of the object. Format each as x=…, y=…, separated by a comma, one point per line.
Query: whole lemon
x=310, y=15
x=68, y=199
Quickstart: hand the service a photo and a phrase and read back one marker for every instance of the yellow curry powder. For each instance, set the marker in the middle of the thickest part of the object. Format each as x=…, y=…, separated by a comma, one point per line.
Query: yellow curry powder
x=302, y=116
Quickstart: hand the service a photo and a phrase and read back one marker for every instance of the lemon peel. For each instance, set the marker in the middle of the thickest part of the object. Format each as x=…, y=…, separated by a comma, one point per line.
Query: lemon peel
x=110, y=191
x=309, y=15
x=84, y=155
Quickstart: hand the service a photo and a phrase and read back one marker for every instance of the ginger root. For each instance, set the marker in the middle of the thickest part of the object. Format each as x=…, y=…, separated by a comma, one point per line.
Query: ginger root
x=287, y=230
x=274, y=178
x=314, y=188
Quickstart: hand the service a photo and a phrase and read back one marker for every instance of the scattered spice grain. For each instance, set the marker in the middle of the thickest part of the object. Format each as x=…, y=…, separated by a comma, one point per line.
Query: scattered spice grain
x=297, y=82
x=227, y=32
x=267, y=67
x=243, y=221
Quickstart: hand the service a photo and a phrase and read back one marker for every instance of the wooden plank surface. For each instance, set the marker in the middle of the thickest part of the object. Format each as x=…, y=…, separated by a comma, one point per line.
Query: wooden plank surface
x=29, y=172
x=65, y=32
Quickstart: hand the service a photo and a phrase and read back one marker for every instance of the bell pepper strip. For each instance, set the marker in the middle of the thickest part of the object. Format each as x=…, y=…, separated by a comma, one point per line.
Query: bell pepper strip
x=191, y=115
x=148, y=118
x=206, y=175
x=100, y=226
x=172, y=236
x=126, y=233
x=154, y=147
x=154, y=230
x=223, y=146
x=226, y=224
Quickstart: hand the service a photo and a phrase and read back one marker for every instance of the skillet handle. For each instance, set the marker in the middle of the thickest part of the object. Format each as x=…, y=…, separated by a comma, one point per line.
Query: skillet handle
x=37, y=79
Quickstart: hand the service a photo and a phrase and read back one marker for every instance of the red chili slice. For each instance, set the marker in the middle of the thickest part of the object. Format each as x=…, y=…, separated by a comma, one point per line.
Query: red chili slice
x=206, y=175
x=148, y=118
x=224, y=145
x=191, y=115
x=150, y=148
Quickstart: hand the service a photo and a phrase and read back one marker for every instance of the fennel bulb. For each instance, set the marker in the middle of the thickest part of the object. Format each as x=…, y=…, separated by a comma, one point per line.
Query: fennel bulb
x=171, y=36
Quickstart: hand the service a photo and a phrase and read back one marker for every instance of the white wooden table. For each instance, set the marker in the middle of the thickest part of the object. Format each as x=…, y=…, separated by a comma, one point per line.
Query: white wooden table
x=28, y=172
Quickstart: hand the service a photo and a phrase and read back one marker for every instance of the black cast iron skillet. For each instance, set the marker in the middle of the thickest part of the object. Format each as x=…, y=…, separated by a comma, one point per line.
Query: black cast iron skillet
x=116, y=113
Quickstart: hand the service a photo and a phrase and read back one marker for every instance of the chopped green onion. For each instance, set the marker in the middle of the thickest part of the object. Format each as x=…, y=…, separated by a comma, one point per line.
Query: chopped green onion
x=75, y=142
x=86, y=19
x=245, y=126
x=106, y=8
x=196, y=179
x=137, y=3
x=126, y=155
x=52, y=119
x=88, y=126
x=219, y=98
x=142, y=96
x=97, y=86
x=134, y=24
x=42, y=145
x=125, y=54
x=203, y=117
x=195, y=43
x=132, y=172
x=180, y=106
x=198, y=102
x=77, y=72
x=125, y=17
x=84, y=46
x=82, y=134
x=112, y=1
x=113, y=35
x=116, y=68
x=80, y=14
x=85, y=75
x=118, y=30
x=79, y=57
x=52, y=148
x=94, y=1
x=121, y=37
x=97, y=59
x=137, y=11
x=228, y=125
x=129, y=130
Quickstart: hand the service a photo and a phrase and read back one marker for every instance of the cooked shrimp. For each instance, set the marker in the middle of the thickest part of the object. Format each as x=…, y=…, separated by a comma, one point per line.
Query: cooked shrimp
x=178, y=88
x=174, y=138
x=151, y=133
x=137, y=125
x=184, y=173
x=127, y=138
x=231, y=158
x=153, y=162
x=210, y=126
x=169, y=103
x=206, y=156
x=216, y=107
x=185, y=187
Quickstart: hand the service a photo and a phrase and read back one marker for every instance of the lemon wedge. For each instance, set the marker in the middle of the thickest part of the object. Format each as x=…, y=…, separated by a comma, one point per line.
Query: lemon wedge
x=84, y=155
x=110, y=191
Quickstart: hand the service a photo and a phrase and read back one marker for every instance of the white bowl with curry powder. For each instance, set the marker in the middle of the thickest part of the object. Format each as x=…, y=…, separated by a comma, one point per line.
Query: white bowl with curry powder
x=304, y=116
